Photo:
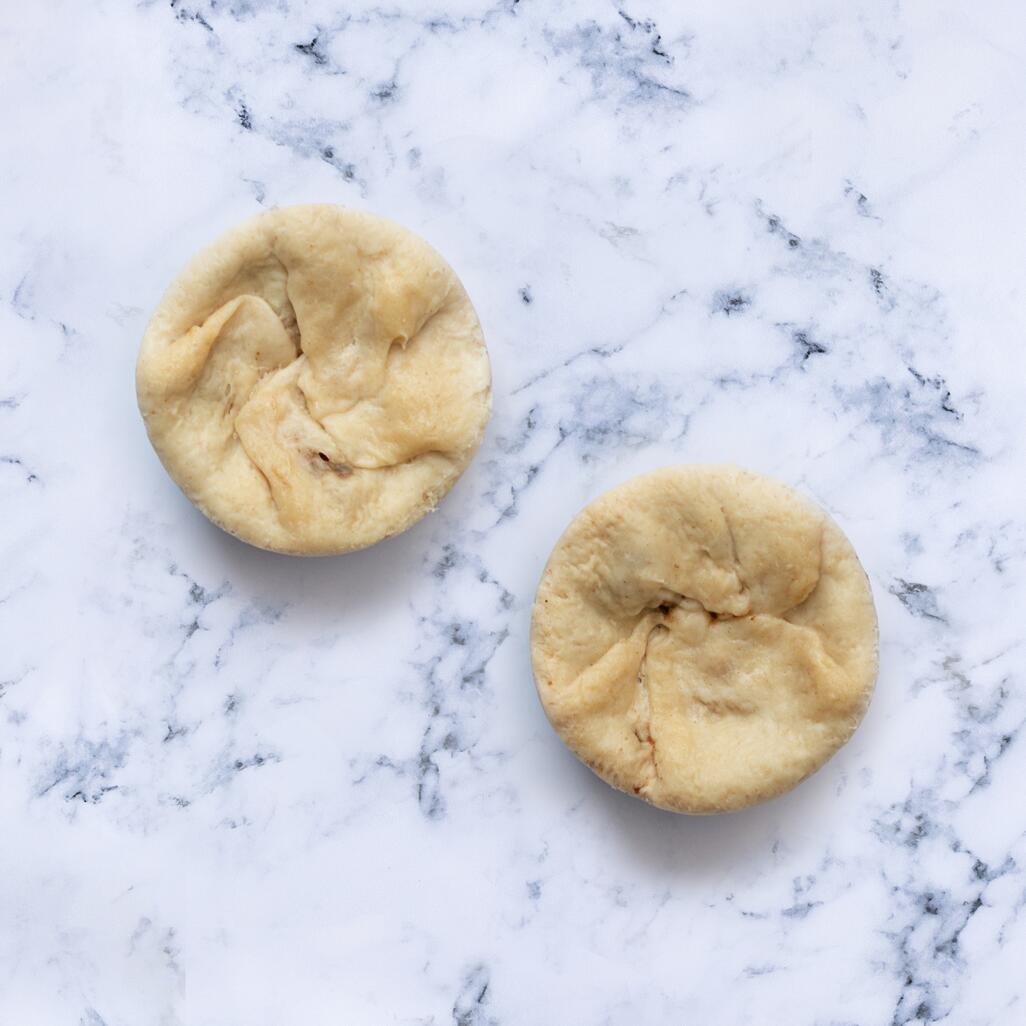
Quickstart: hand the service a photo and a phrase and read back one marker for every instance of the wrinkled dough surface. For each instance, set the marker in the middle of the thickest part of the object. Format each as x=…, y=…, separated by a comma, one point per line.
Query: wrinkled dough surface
x=316, y=380
x=704, y=638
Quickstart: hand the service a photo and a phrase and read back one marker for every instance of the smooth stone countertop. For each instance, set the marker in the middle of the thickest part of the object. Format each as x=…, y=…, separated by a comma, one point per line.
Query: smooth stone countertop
x=239, y=788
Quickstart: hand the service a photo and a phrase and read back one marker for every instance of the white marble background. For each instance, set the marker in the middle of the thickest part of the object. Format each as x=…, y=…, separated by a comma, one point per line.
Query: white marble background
x=245, y=789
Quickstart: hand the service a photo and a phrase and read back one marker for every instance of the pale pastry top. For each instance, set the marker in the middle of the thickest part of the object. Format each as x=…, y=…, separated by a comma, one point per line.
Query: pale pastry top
x=315, y=380
x=704, y=638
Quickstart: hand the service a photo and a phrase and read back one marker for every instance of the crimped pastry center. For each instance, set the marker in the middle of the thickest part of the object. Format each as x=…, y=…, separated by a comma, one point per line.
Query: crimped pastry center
x=704, y=638
x=316, y=380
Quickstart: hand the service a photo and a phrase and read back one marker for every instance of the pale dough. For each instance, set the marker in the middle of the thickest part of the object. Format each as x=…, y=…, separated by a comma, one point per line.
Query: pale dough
x=704, y=638
x=315, y=380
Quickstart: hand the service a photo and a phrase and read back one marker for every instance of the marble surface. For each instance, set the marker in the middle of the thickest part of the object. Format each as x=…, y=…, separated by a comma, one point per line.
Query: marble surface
x=237, y=788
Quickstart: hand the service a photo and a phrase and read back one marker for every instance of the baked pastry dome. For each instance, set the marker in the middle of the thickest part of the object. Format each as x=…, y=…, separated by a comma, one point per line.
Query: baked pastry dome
x=315, y=380
x=704, y=638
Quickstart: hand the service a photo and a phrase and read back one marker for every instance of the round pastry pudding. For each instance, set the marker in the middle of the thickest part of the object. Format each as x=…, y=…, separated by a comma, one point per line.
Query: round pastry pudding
x=315, y=380
x=704, y=638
